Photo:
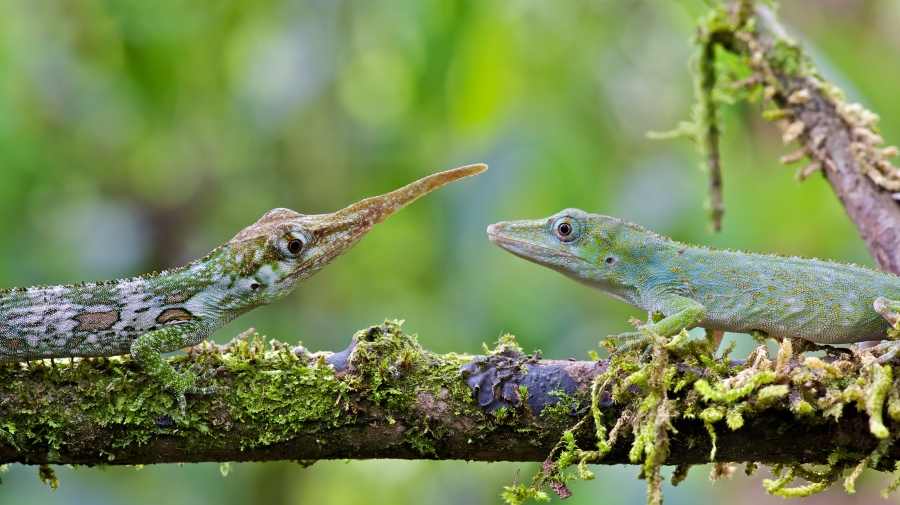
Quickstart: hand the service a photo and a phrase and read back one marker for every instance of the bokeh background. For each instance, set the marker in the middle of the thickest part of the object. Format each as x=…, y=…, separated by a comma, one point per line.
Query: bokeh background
x=137, y=135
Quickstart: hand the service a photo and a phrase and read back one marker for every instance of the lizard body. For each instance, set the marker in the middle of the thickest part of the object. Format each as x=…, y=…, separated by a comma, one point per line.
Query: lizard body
x=162, y=312
x=821, y=301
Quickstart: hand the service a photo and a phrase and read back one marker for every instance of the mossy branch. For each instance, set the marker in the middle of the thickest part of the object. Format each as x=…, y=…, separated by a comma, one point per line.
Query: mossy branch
x=841, y=139
x=386, y=397
x=745, y=54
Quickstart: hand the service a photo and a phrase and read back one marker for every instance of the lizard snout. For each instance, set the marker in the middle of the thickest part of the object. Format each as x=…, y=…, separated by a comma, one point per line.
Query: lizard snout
x=493, y=230
x=501, y=233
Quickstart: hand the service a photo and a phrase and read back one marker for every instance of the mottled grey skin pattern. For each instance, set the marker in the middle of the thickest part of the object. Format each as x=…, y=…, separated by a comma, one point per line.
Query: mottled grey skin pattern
x=177, y=308
x=103, y=319
x=817, y=300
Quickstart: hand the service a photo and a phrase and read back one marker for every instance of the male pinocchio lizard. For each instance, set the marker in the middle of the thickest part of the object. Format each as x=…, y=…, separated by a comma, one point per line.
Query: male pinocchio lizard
x=177, y=308
x=822, y=301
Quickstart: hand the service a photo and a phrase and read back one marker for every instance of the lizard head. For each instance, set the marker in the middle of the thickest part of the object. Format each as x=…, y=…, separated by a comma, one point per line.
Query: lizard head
x=284, y=248
x=588, y=248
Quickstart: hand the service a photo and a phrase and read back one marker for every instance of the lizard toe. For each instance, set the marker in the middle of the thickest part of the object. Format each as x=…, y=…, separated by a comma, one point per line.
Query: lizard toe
x=635, y=343
x=186, y=383
x=892, y=351
x=629, y=336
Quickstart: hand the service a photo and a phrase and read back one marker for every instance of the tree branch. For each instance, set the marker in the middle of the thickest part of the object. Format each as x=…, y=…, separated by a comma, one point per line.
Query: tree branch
x=385, y=397
x=840, y=138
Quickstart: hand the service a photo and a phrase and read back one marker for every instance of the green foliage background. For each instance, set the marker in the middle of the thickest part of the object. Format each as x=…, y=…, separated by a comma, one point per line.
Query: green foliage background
x=137, y=135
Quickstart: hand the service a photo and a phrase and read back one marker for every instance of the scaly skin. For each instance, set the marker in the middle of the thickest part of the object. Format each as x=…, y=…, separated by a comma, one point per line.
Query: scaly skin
x=821, y=301
x=162, y=312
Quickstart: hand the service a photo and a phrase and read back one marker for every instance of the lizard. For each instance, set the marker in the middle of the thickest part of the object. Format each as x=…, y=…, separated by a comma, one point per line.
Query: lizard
x=821, y=301
x=177, y=308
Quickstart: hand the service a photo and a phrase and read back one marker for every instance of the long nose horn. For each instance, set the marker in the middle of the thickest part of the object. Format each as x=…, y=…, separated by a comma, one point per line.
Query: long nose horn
x=379, y=208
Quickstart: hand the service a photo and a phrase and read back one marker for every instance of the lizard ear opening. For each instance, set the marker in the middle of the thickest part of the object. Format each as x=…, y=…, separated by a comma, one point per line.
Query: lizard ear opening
x=567, y=229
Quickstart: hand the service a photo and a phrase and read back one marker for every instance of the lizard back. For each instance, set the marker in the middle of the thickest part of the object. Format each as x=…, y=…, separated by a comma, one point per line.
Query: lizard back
x=817, y=300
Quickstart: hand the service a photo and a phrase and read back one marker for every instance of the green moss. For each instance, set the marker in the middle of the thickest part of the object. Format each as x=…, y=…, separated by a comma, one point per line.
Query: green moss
x=48, y=476
x=803, y=408
x=519, y=493
x=771, y=394
x=505, y=344
x=713, y=414
x=875, y=394
x=275, y=385
x=561, y=411
x=734, y=418
x=385, y=360
x=787, y=57
x=721, y=394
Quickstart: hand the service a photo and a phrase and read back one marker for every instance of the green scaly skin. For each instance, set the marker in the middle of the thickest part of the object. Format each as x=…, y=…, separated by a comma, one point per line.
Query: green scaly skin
x=821, y=301
x=178, y=308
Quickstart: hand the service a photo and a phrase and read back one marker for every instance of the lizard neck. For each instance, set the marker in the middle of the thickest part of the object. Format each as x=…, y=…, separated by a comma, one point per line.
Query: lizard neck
x=229, y=282
x=619, y=289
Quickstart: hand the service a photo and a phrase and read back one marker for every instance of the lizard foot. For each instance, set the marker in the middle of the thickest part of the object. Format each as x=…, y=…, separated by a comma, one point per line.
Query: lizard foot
x=891, y=346
x=633, y=340
x=889, y=309
x=186, y=383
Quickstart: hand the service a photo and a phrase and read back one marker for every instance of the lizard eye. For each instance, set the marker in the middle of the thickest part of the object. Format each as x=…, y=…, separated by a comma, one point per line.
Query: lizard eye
x=292, y=246
x=567, y=229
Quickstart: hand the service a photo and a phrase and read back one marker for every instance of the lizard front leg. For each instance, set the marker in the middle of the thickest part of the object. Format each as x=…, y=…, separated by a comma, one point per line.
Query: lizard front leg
x=682, y=313
x=146, y=351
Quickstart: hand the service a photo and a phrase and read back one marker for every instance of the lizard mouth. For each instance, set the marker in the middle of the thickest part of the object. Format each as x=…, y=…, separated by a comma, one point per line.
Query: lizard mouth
x=530, y=251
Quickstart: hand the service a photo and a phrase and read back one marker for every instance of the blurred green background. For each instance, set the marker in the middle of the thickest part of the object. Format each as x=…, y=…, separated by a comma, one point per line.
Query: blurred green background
x=137, y=135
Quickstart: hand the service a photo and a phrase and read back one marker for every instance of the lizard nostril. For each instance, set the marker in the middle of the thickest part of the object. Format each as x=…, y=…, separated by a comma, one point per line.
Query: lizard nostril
x=610, y=261
x=254, y=286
